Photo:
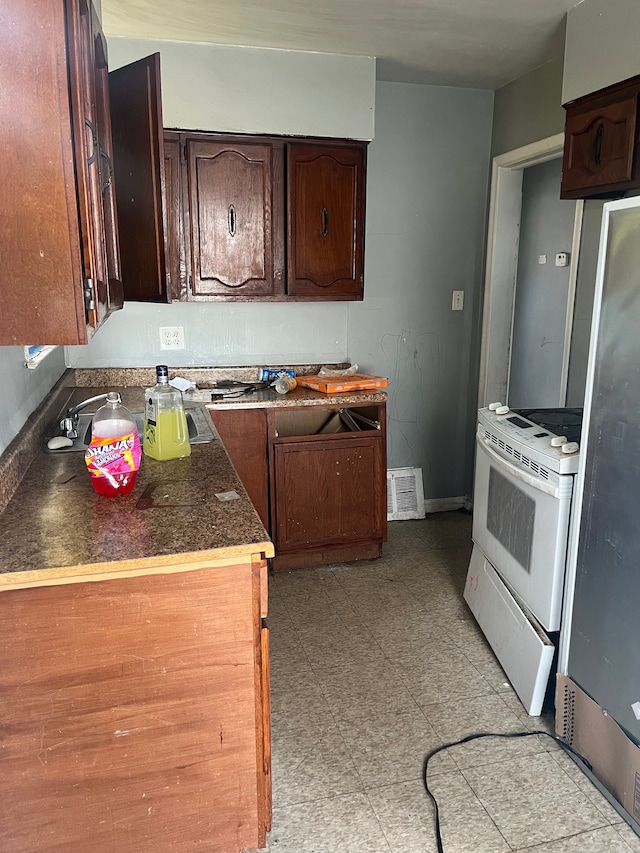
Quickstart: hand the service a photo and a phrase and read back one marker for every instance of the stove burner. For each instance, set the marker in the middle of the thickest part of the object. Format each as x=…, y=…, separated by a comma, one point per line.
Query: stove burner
x=557, y=421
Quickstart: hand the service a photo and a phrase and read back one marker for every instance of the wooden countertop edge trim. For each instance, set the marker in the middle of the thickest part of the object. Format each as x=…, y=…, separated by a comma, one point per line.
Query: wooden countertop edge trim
x=171, y=564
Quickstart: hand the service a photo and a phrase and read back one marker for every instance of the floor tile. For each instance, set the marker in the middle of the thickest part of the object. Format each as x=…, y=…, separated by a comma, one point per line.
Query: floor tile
x=585, y=784
x=312, y=766
x=532, y=800
x=484, y=714
x=390, y=747
x=628, y=836
x=346, y=824
x=605, y=840
x=447, y=676
x=406, y=815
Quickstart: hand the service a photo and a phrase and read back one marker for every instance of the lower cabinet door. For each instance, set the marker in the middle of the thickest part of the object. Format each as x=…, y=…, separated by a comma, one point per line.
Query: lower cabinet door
x=327, y=491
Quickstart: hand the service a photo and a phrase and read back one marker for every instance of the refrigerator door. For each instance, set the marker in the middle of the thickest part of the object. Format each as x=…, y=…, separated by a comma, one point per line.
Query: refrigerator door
x=523, y=649
x=604, y=639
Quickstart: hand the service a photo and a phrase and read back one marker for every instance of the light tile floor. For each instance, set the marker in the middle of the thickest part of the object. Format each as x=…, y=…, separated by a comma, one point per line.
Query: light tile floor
x=375, y=663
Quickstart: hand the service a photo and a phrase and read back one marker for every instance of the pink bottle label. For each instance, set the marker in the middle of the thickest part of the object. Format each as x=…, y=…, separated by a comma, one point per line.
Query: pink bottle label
x=110, y=456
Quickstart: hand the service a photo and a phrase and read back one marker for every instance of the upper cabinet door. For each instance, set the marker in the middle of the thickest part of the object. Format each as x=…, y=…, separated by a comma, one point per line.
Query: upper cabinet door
x=602, y=143
x=90, y=112
x=235, y=219
x=326, y=206
x=41, y=292
x=136, y=118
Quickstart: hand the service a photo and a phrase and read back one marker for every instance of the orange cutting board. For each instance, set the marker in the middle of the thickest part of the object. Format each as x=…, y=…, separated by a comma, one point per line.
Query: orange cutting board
x=333, y=384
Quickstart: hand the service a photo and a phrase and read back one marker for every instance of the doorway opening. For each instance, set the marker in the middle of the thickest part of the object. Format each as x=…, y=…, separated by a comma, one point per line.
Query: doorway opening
x=503, y=247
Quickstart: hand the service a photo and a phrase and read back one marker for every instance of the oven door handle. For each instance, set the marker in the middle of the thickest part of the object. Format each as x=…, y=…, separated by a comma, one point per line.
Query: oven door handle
x=517, y=473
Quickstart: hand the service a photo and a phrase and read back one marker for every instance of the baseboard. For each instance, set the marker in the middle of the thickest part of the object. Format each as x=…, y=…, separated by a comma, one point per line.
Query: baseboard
x=446, y=504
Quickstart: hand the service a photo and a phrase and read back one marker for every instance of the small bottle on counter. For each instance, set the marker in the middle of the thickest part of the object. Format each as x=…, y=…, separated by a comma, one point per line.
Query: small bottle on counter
x=284, y=384
x=166, y=435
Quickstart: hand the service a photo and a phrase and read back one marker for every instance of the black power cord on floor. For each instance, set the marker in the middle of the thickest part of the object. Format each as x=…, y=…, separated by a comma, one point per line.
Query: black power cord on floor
x=430, y=755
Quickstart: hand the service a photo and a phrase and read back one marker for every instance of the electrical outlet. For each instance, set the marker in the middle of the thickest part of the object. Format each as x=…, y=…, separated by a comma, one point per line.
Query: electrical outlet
x=457, y=300
x=562, y=259
x=171, y=337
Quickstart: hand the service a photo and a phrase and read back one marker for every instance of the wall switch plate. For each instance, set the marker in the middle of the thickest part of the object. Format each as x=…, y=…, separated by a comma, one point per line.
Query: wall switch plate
x=562, y=259
x=542, y=259
x=171, y=337
x=457, y=300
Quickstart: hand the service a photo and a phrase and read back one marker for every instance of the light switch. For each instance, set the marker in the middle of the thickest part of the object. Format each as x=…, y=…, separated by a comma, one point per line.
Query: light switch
x=457, y=301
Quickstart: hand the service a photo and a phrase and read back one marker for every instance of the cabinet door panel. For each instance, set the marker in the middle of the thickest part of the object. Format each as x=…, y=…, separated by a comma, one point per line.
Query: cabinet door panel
x=138, y=162
x=233, y=237
x=326, y=219
x=328, y=492
x=41, y=272
x=599, y=146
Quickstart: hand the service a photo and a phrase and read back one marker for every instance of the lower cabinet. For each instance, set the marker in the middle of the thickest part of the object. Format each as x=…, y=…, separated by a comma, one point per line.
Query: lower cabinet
x=328, y=484
x=135, y=713
x=316, y=477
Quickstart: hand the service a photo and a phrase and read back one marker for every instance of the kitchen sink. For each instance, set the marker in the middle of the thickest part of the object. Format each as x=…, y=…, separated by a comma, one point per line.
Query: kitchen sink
x=198, y=424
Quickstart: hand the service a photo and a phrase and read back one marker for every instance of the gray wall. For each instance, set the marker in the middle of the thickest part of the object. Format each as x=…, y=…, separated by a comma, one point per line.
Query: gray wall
x=528, y=109
x=601, y=46
x=23, y=390
x=426, y=204
x=540, y=309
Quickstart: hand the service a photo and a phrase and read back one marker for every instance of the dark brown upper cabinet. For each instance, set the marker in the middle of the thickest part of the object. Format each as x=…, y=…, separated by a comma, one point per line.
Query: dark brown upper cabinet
x=136, y=110
x=264, y=218
x=602, y=143
x=326, y=190
x=235, y=215
x=59, y=277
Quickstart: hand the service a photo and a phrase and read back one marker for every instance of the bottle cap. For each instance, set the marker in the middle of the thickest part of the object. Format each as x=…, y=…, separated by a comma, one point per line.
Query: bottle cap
x=162, y=373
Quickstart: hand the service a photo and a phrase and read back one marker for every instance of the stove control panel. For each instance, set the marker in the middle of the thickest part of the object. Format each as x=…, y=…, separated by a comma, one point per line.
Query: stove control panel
x=512, y=432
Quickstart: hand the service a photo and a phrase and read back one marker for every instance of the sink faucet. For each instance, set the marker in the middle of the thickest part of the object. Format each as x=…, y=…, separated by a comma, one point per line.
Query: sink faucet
x=69, y=424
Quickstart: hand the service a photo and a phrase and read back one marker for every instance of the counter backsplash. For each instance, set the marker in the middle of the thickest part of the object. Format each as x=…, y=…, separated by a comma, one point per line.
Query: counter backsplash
x=143, y=377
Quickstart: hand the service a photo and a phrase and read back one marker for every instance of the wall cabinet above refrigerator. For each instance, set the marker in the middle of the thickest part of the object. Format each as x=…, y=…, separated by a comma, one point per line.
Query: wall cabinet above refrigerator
x=602, y=143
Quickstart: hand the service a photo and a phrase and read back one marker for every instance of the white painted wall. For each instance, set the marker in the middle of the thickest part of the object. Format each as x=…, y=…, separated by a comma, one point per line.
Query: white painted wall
x=601, y=46
x=428, y=173
x=219, y=334
x=258, y=90
x=23, y=390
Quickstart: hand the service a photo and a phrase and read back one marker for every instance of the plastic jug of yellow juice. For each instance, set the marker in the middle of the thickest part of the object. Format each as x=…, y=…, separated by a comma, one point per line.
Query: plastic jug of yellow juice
x=165, y=424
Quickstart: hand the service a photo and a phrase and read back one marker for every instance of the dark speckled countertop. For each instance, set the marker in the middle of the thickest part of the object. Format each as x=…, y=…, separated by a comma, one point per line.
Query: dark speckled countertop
x=54, y=528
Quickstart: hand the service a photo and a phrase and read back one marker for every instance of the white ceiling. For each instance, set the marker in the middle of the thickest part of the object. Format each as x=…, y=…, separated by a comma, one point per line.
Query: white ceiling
x=475, y=43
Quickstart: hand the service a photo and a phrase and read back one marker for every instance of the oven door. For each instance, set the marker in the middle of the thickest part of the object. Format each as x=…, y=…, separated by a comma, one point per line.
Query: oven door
x=521, y=524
